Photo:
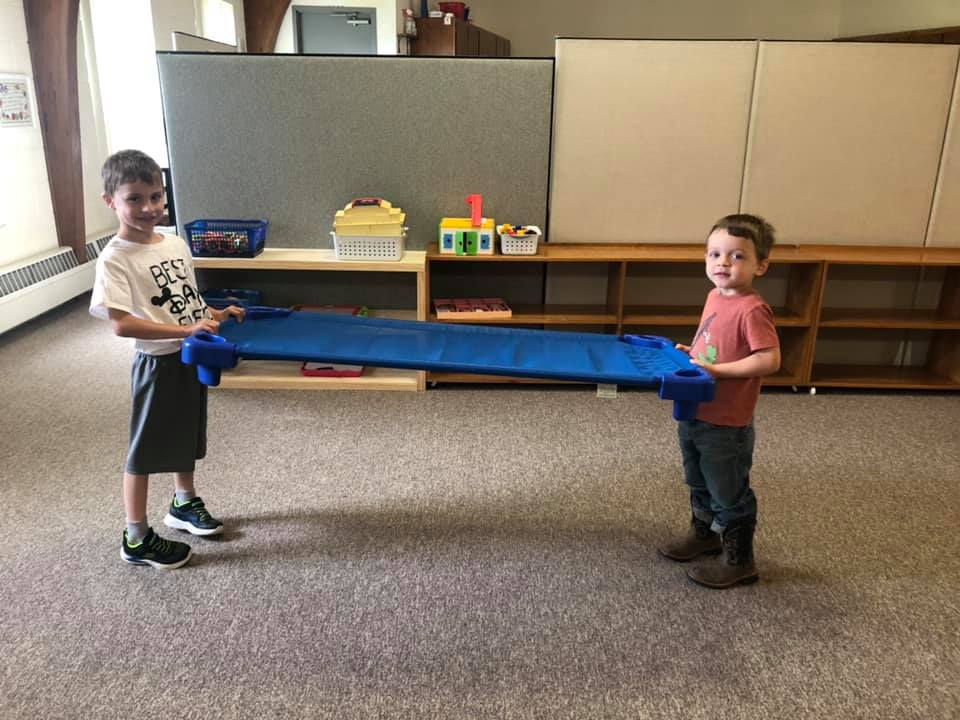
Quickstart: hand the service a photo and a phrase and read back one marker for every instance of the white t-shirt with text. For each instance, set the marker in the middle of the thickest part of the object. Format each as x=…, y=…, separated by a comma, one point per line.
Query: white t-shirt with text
x=151, y=281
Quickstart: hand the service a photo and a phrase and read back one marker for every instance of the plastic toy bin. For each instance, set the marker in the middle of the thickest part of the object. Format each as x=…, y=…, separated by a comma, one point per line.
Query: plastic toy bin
x=362, y=247
x=226, y=238
x=525, y=244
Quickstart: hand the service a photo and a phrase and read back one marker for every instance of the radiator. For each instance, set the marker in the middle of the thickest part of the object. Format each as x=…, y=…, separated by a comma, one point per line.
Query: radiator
x=41, y=285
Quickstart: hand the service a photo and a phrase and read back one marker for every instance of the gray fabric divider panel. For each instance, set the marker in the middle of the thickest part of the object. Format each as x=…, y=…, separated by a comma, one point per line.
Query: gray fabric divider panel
x=294, y=138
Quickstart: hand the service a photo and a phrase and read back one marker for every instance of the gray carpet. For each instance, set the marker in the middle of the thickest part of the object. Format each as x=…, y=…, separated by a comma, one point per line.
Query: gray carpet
x=468, y=553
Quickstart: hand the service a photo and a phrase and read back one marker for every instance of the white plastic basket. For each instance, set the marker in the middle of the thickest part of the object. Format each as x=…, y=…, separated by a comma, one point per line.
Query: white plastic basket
x=526, y=245
x=368, y=247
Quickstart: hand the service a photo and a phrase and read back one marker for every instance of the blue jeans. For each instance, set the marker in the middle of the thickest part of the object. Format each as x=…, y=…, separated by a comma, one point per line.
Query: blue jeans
x=716, y=467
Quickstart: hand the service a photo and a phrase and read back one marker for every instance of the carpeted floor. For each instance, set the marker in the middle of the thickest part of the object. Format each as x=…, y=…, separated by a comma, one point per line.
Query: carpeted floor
x=468, y=553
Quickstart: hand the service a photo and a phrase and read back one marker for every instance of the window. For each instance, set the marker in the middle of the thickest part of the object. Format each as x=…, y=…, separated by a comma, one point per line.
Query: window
x=123, y=38
x=218, y=21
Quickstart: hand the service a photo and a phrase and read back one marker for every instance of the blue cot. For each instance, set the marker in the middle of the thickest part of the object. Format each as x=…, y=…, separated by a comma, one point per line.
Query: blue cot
x=280, y=334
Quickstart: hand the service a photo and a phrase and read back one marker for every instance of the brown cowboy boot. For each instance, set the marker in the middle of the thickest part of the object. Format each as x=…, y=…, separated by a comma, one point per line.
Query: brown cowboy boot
x=699, y=540
x=735, y=565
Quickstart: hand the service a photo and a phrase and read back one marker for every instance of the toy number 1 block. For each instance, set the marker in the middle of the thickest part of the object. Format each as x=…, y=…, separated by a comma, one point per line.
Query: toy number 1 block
x=476, y=209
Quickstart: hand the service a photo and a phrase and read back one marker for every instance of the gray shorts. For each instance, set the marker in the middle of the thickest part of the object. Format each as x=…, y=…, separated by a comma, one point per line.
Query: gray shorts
x=168, y=421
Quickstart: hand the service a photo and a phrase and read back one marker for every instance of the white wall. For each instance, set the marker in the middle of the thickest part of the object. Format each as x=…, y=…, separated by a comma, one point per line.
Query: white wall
x=387, y=12
x=532, y=26
x=26, y=209
x=872, y=17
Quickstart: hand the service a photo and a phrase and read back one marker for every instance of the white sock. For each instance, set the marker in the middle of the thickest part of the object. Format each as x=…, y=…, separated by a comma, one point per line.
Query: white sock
x=137, y=531
x=185, y=496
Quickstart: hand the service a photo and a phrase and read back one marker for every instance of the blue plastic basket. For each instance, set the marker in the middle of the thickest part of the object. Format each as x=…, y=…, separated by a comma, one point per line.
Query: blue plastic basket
x=226, y=238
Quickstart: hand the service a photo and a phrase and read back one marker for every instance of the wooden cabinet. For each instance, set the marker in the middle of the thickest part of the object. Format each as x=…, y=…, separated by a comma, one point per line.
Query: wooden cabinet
x=830, y=335
x=435, y=37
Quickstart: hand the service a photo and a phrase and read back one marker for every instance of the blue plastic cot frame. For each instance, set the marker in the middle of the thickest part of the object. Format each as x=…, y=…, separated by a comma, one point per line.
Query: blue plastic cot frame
x=281, y=334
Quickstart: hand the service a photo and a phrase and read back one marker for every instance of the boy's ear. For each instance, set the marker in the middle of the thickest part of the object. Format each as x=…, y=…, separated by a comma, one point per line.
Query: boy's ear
x=108, y=199
x=762, y=267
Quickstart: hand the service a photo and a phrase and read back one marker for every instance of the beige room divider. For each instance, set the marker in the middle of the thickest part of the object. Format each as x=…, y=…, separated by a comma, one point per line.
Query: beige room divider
x=944, y=230
x=836, y=143
x=846, y=139
x=649, y=138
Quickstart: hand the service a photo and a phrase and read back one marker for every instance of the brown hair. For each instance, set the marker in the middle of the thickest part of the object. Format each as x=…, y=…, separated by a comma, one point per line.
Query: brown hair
x=129, y=166
x=753, y=227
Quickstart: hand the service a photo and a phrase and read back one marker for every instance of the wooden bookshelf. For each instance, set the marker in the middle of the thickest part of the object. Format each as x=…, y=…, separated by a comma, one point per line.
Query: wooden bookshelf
x=803, y=320
x=269, y=375
x=809, y=324
x=907, y=326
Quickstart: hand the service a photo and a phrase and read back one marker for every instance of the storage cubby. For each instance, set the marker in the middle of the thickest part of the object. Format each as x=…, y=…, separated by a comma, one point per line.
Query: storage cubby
x=887, y=357
x=890, y=317
x=789, y=286
x=496, y=276
x=795, y=347
x=665, y=294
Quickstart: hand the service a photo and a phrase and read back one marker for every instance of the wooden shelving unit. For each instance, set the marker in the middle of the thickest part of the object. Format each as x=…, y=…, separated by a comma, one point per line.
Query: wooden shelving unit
x=801, y=316
x=265, y=375
x=435, y=37
x=925, y=330
x=932, y=328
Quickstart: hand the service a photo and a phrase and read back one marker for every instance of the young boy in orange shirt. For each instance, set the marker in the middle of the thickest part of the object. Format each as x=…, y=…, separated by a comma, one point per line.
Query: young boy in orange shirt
x=737, y=343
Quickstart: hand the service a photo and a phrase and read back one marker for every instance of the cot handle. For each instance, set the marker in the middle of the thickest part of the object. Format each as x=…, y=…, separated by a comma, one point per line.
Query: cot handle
x=688, y=386
x=211, y=354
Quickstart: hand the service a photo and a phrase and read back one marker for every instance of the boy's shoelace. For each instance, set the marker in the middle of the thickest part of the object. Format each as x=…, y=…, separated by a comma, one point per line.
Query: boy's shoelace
x=201, y=511
x=160, y=545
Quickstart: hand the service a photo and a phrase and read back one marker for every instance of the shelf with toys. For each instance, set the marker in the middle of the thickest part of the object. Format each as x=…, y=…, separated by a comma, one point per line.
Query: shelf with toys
x=369, y=237
x=872, y=317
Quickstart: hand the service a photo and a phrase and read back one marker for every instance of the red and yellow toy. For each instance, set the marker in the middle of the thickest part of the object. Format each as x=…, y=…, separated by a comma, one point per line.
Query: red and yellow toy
x=468, y=236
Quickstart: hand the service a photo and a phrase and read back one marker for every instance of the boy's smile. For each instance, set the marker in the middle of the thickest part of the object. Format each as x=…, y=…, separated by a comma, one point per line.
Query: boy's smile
x=732, y=263
x=139, y=207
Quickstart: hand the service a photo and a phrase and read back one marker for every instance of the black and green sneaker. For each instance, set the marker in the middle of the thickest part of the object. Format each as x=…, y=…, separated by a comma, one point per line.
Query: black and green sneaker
x=193, y=517
x=156, y=552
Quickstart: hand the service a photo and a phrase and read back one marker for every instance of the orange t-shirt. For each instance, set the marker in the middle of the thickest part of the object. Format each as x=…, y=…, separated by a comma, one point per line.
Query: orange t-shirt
x=731, y=328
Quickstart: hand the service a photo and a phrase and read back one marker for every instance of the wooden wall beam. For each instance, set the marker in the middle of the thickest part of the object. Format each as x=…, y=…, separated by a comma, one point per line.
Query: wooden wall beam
x=946, y=35
x=52, y=37
x=262, y=20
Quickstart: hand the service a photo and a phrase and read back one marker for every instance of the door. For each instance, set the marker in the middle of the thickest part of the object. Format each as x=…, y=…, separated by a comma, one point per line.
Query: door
x=335, y=30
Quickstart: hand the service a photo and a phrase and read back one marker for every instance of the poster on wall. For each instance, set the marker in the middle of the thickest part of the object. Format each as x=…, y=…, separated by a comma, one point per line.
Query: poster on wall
x=16, y=109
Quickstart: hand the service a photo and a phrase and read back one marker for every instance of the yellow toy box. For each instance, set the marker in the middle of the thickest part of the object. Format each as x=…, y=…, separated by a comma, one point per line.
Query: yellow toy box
x=369, y=229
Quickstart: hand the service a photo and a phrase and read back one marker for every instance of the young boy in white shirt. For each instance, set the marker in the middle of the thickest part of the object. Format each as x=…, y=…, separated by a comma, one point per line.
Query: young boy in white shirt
x=146, y=287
